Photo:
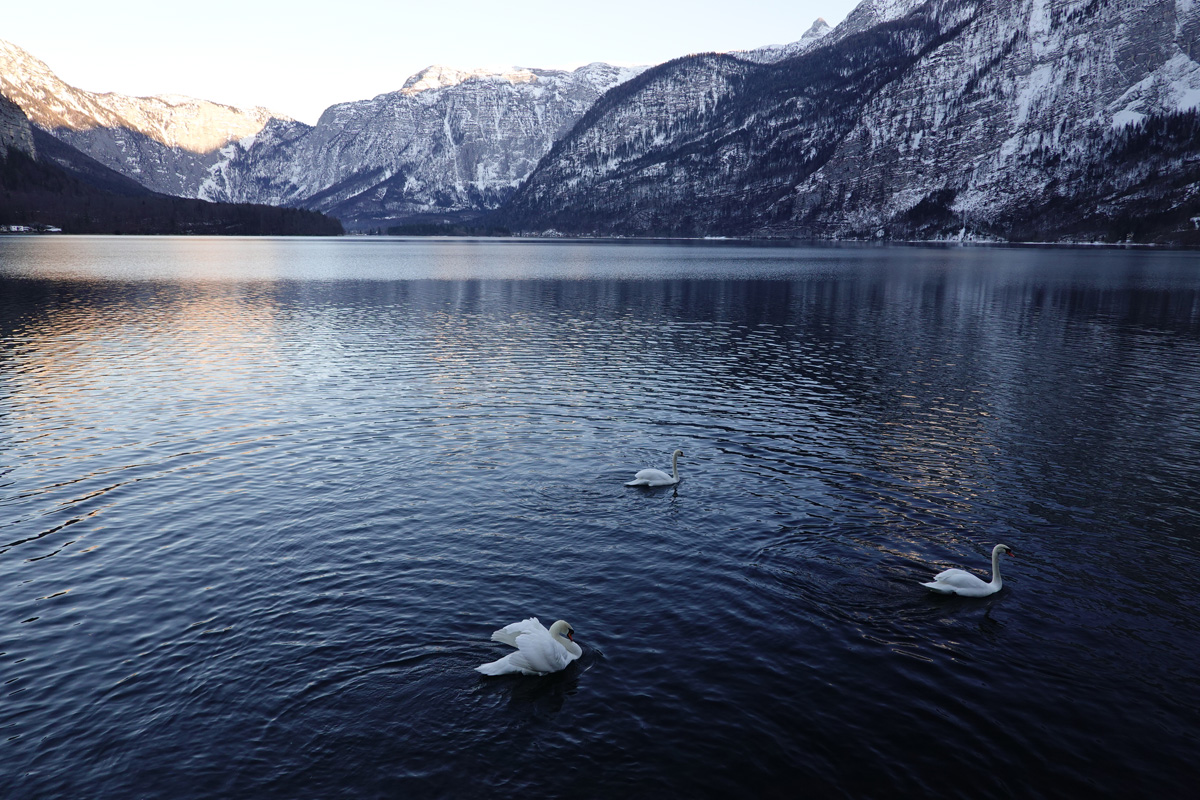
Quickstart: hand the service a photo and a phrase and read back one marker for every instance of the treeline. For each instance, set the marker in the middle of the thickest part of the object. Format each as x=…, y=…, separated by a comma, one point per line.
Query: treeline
x=446, y=229
x=1175, y=134
x=37, y=193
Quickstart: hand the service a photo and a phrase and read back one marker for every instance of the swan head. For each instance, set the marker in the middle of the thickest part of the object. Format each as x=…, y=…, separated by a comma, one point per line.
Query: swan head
x=677, y=454
x=1003, y=548
x=563, y=628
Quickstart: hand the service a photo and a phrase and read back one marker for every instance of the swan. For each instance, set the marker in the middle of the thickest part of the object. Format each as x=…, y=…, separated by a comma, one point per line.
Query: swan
x=538, y=650
x=957, y=581
x=656, y=477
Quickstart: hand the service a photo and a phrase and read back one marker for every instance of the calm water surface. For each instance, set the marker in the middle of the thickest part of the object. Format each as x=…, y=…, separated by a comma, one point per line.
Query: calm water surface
x=262, y=503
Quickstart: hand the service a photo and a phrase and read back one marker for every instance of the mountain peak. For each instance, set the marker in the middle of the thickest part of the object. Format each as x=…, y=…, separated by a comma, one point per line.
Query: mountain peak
x=819, y=28
x=437, y=76
x=778, y=52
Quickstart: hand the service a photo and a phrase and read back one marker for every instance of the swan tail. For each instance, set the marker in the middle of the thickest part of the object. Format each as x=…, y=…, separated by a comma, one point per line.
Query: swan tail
x=508, y=666
x=501, y=666
x=498, y=667
x=642, y=482
x=940, y=588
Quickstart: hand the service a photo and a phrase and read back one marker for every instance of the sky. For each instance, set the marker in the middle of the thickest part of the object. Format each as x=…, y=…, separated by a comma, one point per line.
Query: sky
x=299, y=57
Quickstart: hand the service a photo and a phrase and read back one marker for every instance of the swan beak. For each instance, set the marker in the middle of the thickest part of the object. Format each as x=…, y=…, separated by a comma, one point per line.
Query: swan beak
x=1011, y=552
x=571, y=635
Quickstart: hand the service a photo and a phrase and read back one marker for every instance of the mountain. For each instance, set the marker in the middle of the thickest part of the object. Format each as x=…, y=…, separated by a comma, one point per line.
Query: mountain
x=1023, y=119
x=45, y=183
x=449, y=142
x=778, y=52
x=168, y=144
x=1038, y=120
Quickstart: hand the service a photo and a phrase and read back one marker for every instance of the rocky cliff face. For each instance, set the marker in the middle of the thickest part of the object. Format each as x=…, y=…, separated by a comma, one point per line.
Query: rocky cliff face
x=448, y=143
x=1025, y=111
x=1017, y=119
x=15, y=131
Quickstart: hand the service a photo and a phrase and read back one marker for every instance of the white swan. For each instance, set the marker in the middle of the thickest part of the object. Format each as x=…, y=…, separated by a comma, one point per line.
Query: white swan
x=957, y=581
x=538, y=650
x=656, y=477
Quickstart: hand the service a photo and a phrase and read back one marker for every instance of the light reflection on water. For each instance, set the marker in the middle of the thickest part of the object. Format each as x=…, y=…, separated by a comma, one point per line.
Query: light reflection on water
x=263, y=501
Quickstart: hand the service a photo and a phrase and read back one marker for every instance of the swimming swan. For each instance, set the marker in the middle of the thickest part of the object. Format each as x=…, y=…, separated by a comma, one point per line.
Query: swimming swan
x=957, y=581
x=656, y=477
x=538, y=650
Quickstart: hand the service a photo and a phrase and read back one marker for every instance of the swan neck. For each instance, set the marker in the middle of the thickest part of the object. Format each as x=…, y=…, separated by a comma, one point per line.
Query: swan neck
x=675, y=466
x=997, y=581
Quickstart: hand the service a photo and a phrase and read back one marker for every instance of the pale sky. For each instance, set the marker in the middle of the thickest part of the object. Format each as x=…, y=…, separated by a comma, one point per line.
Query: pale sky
x=299, y=57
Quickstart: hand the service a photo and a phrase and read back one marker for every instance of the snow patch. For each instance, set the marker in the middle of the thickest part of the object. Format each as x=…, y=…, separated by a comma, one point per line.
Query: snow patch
x=1174, y=86
x=1039, y=19
x=438, y=76
x=1126, y=117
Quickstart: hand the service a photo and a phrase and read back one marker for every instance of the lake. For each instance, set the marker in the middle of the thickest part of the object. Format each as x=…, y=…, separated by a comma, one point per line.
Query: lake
x=263, y=502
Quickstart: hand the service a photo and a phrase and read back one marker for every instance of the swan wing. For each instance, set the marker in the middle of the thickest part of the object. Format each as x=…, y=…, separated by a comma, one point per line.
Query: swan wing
x=542, y=654
x=535, y=657
x=526, y=627
x=651, y=477
x=960, y=582
x=959, y=579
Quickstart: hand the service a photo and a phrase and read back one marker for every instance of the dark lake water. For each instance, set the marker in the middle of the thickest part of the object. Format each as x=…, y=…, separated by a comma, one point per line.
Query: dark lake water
x=262, y=503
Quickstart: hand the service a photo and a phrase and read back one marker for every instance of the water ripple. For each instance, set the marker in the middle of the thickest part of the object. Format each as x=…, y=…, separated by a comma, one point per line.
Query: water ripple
x=256, y=526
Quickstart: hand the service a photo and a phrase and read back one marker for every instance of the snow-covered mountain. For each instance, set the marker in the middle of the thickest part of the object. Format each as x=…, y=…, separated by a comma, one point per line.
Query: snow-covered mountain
x=45, y=184
x=1018, y=125
x=166, y=143
x=449, y=142
x=1005, y=119
x=914, y=118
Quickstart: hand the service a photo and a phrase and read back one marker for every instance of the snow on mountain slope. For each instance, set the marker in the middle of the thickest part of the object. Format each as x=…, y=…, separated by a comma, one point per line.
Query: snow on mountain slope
x=165, y=143
x=448, y=142
x=913, y=118
x=1009, y=113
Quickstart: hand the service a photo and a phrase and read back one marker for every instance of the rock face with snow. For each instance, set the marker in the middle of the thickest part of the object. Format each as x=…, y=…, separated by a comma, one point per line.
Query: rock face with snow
x=448, y=143
x=914, y=118
x=167, y=144
x=14, y=130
